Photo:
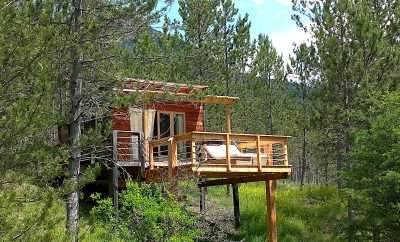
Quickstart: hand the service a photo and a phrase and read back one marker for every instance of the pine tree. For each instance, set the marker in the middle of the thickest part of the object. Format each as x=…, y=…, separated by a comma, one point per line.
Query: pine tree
x=269, y=74
x=71, y=48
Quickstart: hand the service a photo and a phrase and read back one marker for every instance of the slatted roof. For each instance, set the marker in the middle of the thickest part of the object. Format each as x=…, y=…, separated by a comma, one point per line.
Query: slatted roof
x=186, y=91
x=159, y=86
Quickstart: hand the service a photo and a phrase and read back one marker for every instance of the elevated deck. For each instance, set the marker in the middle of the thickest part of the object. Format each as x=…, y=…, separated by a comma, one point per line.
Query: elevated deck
x=210, y=155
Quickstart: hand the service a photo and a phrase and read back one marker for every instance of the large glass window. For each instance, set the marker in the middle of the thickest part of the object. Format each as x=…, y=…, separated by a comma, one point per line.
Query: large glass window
x=163, y=127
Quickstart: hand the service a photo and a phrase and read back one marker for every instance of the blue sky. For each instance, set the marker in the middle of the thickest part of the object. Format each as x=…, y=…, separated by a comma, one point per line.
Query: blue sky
x=271, y=17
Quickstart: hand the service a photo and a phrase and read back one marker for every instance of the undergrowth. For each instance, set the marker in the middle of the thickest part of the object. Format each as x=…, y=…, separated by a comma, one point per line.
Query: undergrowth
x=310, y=214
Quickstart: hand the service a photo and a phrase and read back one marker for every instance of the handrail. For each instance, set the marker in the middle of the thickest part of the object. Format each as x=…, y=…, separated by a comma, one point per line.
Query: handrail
x=258, y=141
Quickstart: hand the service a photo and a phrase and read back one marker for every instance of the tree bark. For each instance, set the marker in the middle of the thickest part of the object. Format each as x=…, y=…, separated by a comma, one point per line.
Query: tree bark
x=303, y=159
x=269, y=124
x=75, y=128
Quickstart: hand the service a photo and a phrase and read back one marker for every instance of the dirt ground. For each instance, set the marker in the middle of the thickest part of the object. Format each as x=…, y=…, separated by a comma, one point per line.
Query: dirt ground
x=216, y=222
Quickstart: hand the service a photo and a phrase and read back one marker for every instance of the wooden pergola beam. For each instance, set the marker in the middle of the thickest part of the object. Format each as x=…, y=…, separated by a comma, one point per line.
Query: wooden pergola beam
x=190, y=97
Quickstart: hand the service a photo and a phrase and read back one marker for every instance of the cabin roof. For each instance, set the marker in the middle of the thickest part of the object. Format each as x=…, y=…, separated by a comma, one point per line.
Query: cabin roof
x=149, y=85
x=187, y=91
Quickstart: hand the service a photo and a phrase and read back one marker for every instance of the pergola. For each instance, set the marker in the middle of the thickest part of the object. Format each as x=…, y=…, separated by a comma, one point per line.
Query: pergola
x=183, y=92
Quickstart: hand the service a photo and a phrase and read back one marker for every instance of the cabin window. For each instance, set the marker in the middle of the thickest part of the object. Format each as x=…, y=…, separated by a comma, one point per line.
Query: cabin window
x=167, y=124
x=179, y=121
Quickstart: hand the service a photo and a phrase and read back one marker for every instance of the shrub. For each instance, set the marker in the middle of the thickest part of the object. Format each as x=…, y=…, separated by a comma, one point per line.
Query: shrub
x=146, y=213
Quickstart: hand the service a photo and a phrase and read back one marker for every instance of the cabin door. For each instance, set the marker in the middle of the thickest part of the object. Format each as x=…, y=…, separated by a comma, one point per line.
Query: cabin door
x=168, y=124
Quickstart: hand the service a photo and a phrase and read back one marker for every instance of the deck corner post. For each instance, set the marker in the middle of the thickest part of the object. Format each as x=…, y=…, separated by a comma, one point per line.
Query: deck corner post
x=236, y=204
x=270, y=187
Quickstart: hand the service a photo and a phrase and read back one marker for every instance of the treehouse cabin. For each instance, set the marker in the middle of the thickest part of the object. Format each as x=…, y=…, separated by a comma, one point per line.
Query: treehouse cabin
x=162, y=136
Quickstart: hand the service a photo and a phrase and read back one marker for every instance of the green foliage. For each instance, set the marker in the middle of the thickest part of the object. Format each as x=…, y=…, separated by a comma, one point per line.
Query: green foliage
x=30, y=213
x=145, y=214
x=373, y=184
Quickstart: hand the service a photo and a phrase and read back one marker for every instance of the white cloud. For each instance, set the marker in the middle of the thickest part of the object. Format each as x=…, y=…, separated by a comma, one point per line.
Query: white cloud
x=284, y=2
x=259, y=2
x=283, y=40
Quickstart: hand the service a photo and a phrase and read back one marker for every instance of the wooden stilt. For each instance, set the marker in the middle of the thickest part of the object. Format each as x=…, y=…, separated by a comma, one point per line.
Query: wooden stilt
x=236, y=205
x=115, y=186
x=202, y=198
x=115, y=175
x=270, y=186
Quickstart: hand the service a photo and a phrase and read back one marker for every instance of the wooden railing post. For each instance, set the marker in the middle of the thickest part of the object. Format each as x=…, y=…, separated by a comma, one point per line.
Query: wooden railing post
x=228, y=156
x=270, y=155
x=151, y=156
x=172, y=157
x=259, y=165
x=193, y=153
x=285, y=150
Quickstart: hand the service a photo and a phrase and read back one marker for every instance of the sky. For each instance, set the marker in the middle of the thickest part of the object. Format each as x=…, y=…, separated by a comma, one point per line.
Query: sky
x=271, y=17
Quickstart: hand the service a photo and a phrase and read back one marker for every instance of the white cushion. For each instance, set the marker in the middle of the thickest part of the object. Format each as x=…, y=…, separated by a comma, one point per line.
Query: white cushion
x=219, y=151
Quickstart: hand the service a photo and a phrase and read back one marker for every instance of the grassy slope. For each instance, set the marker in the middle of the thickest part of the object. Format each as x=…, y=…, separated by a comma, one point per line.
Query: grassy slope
x=302, y=215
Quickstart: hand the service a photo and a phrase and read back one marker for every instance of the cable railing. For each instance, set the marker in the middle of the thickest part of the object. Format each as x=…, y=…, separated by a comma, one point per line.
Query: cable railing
x=220, y=152
x=128, y=148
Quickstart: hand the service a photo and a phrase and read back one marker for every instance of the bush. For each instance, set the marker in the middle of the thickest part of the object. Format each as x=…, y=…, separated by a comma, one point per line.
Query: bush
x=145, y=214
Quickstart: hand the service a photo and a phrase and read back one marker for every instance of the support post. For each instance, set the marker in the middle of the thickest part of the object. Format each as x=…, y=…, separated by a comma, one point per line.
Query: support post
x=115, y=176
x=270, y=187
x=202, y=197
x=115, y=170
x=236, y=204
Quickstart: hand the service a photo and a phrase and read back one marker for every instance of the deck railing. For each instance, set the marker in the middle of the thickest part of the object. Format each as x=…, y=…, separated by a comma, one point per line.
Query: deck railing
x=220, y=152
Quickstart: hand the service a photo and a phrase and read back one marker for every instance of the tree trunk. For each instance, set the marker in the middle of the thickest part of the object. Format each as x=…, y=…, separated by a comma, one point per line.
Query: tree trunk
x=75, y=128
x=339, y=163
x=269, y=121
x=303, y=159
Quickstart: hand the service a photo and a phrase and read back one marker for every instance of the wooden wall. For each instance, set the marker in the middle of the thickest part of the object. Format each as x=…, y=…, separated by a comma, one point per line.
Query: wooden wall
x=121, y=120
x=193, y=115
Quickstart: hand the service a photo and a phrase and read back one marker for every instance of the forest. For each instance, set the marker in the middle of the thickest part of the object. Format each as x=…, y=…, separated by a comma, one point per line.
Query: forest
x=337, y=96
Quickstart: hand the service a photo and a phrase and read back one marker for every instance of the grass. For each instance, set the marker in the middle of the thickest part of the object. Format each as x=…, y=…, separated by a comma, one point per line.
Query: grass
x=310, y=214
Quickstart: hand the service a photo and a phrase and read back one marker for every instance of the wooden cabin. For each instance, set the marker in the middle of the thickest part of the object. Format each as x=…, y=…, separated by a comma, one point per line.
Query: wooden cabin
x=162, y=137
x=165, y=129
